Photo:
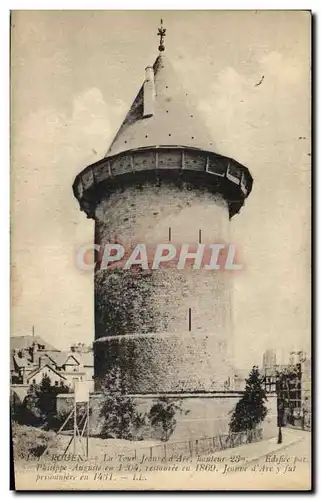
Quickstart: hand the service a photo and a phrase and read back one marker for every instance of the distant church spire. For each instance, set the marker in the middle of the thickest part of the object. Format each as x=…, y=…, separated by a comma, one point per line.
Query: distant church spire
x=161, y=33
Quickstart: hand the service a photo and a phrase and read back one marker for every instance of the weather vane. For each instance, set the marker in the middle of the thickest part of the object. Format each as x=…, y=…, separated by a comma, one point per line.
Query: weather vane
x=161, y=33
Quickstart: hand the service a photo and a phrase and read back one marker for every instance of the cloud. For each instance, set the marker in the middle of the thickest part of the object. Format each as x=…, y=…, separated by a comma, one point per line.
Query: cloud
x=260, y=126
x=244, y=117
x=283, y=70
x=49, y=148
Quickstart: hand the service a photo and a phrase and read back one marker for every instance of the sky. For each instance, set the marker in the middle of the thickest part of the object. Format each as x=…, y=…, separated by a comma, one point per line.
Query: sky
x=74, y=75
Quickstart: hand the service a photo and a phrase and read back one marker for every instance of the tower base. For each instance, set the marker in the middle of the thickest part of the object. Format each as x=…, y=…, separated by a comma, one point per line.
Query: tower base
x=164, y=363
x=203, y=415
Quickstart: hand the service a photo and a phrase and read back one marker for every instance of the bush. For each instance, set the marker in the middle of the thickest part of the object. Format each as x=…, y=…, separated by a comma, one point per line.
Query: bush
x=31, y=442
x=39, y=406
x=119, y=411
x=162, y=414
x=62, y=416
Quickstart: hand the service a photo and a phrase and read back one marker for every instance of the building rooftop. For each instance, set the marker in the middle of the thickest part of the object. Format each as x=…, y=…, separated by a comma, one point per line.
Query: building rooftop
x=25, y=341
x=175, y=119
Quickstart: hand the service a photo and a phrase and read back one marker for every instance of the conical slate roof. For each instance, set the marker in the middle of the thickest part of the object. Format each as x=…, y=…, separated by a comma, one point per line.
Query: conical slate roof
x=163, y=136
x=175, y=121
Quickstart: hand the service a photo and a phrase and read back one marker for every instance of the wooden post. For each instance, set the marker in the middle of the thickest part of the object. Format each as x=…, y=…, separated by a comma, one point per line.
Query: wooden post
x=87, y=441
x=80, y=437
x=66, y=421
x=67, y=447
x=84, y=427
x=59, y=431
x=75, y=424
x=280, y=435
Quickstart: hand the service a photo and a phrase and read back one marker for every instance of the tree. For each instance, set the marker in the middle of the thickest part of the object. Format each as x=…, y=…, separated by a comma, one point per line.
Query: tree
x=288, y=381
x=119, y=411
x=29, y=412
x=250, y=409
x=39, y=406
x=163, y=413
x=47, y=399
x=31, y=442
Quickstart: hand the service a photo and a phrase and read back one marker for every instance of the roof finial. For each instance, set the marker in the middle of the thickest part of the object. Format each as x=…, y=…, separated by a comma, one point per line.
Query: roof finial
x=161, y=33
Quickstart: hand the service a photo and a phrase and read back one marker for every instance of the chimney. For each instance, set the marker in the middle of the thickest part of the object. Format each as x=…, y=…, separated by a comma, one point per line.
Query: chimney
x=42, y=361
x=33, y=351
x=149, y=92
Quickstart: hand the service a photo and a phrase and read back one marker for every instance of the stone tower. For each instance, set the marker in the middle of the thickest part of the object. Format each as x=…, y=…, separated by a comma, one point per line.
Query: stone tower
x=168, y=330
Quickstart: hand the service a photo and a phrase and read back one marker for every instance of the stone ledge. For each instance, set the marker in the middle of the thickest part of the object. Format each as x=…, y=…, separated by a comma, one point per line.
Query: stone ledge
x=202, y=169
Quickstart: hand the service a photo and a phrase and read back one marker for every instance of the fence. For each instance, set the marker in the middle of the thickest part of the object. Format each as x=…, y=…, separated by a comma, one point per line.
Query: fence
x=194, y=447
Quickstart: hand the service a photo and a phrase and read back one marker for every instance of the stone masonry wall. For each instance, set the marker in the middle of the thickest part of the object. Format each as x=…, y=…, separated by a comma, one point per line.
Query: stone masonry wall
x=149, y=308
x=165, y=362
x=203, y=415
